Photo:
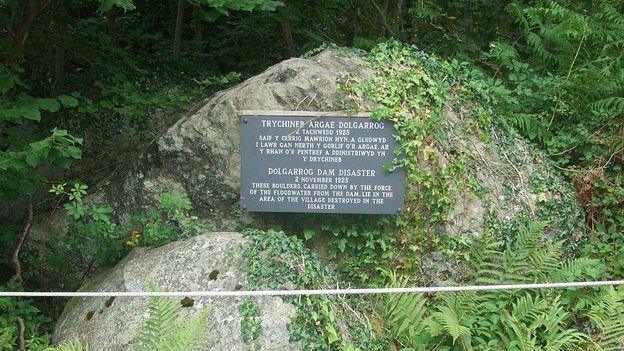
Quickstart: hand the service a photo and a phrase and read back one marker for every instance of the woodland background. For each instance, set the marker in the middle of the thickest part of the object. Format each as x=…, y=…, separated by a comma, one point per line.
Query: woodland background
x=86, y=84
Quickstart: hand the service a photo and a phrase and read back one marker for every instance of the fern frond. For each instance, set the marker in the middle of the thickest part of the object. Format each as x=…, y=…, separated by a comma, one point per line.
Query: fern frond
x=536, y=43
x=448, y=318
x=574, y=269
x=555, y=317
x=607, y=313
x=518, y=262
x=488, y=262
x=163, y=331
x=75, y=345
x=514, y=10
x=611, y=14
x=187, y=335
x=405, y=313
x=570, y=339
x=530, y=125
x=543, y=321
x=524, y=306
x=546, y=259
x=517, y=336
x=613, y=106
x=162, y=315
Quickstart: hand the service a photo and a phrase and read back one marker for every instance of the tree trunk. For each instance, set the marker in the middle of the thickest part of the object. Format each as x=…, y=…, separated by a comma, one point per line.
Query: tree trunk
x=198, y=28
x=287, y=33
x=177, y=40
x=198, y=25
x=351, y=29
x=112, y=26
x=396, y=10
x=59, y=52
x=384, y=18
x=20, y=36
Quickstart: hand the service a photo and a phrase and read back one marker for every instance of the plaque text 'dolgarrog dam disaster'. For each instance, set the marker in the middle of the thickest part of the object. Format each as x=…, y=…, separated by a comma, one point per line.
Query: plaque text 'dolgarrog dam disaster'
x=318, y=162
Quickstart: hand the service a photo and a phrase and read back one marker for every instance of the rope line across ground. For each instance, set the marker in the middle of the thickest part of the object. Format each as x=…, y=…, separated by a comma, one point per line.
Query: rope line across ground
x=345, y=291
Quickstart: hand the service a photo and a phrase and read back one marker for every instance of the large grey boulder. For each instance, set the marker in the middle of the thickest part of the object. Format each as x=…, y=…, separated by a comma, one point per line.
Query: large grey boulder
x=210, y=262
x=506, y=181
x=200, y=154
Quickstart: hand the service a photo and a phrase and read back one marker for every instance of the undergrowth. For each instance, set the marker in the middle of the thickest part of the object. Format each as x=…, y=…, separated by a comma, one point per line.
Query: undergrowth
x=566, y=319
x=278, y=261
x=96, y=239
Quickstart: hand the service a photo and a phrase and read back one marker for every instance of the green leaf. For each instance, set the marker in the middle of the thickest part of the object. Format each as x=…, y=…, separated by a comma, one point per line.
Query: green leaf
x=51, y=105
x=6, y=83
x=308, y=234
x=212, y=15
x=74, y=152
x=30, y=112
x=107, y=5
x=33, y=159
x=332, y=335
x=68, y=101
x=342, y=245
x=62, y=162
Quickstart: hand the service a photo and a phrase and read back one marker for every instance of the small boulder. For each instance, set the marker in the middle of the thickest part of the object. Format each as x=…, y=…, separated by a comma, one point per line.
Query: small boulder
x=210, y=262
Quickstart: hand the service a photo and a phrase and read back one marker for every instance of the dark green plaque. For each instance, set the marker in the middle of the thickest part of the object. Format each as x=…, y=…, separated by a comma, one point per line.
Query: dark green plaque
x=318, y=162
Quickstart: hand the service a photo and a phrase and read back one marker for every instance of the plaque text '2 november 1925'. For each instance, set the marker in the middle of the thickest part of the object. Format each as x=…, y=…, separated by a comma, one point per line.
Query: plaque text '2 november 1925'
x=319, y=162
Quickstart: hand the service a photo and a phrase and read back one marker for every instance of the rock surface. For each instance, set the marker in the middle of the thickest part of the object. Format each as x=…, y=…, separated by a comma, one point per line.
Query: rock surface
x=200, y=154
x=200, y=157
x=505, y=182
x=211, y=262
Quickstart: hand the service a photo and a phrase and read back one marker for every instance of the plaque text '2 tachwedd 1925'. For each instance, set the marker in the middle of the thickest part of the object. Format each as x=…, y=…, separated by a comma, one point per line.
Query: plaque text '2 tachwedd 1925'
x=318, y=162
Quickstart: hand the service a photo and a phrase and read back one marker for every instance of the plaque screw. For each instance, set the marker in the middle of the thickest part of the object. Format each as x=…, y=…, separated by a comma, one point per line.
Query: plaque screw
x=399, y=210
x=244, y=120
x=244, y=207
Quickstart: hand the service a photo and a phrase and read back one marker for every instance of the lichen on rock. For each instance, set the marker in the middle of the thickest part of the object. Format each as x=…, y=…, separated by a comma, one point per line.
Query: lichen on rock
x=187, y=265
x=256, y=260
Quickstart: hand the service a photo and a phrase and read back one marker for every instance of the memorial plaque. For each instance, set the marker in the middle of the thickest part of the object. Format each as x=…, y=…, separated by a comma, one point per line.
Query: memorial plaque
x=318, y=162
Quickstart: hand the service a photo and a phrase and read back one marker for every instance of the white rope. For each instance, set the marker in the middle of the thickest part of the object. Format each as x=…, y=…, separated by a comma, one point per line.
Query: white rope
x=433, y=289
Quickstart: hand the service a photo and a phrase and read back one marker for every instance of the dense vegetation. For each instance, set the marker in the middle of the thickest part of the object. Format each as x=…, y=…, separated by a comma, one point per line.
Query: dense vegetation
x=84, y=84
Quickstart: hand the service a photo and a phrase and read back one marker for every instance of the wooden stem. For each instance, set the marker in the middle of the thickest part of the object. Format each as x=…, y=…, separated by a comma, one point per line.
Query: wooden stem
x=59, y=52
x=22, y=33
x=22, y=238
x=287, y=35
x=177, y=40
x=22, y=332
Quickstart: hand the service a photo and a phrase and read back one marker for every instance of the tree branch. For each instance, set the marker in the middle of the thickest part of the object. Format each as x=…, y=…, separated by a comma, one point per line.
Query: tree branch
x=22, y=238
x=382, y=15
x=22, y=331
x=23, y=31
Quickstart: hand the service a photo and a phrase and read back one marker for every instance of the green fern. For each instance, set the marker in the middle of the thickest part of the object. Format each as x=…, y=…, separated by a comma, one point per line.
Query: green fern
x=525, y=261
x=574, y=270
x=613, y=106
x=162, y=314
x=405, y=313
x=531, y=125
x=188, y=334
x=75, y=345
x=447, y=319
x=507, y=320
x=531, y=258
x=607, y=314
x=163, y=330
